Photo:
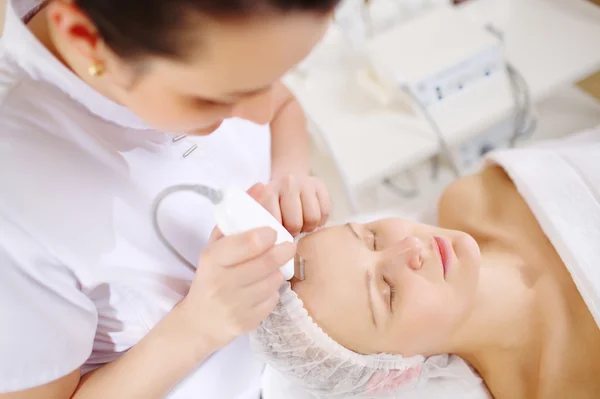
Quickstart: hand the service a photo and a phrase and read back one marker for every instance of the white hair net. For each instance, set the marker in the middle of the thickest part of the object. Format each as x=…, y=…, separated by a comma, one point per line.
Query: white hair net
x=294, y=345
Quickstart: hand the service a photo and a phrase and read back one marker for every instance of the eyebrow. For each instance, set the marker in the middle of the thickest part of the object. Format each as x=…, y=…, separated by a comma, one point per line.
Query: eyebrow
x=369, y=278
x=354, y=233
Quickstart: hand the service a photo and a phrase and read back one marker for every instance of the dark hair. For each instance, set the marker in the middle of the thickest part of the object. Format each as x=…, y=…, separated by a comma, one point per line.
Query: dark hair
x=138, y=28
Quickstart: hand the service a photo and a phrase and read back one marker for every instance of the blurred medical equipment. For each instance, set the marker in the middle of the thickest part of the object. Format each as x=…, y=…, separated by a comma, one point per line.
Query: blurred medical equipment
x=293, y=344
x=377, y=150
x=235, y=212
x=452, y=55
x=362, y=19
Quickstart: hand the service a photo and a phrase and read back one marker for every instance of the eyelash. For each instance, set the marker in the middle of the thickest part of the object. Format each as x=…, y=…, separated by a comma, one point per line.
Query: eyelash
x=392, y=292
x=374, y=240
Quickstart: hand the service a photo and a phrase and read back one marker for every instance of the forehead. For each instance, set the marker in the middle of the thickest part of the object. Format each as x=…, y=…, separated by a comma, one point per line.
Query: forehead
x=330, y=251
x=245, y=55
x=335, y=289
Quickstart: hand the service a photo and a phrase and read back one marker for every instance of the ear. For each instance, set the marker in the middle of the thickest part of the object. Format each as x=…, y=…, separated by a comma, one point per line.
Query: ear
x=388, y=381
x=82, y=45
x=75, y=29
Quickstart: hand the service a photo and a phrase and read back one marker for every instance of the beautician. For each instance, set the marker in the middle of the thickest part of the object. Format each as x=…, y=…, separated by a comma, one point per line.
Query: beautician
x=103, y=104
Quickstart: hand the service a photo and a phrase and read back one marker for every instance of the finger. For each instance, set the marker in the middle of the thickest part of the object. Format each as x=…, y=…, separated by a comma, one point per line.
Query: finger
x=236, y=249
x=268, y=198
x=264, y=309
x=215, y=235
x=270, y=202
x=291, y=207
x=324, y=201
x=270, y=262
x=257, y=191
x=311, y=210
x=291, y=213
x=260, y=291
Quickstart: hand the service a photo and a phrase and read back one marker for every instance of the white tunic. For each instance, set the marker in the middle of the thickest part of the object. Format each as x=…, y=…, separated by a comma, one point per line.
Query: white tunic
x=83, y=277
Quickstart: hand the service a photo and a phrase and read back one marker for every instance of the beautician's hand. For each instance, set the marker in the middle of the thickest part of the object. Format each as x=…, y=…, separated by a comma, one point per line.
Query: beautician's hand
x=236, y=285
x=300, y=203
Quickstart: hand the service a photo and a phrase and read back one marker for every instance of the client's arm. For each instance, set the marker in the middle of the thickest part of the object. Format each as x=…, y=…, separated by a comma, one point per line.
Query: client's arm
x=290, y=144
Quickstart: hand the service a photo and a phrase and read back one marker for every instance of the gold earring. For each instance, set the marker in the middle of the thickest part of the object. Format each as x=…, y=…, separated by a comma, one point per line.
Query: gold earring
x=96, y=69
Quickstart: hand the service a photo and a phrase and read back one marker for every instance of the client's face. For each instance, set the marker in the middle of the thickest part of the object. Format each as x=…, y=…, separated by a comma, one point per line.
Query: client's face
x=390, y=286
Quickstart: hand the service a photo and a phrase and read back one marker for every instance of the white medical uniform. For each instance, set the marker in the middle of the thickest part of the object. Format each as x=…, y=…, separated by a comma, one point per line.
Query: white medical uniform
x=83, y=277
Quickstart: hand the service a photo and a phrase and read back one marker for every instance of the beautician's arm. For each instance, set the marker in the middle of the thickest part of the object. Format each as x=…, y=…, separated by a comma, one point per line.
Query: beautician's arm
x=148, y=371
x=2, y=15
x=290, y=143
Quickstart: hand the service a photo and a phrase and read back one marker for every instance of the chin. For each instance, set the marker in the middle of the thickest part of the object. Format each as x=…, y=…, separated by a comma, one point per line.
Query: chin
x=207, y=130
x=466, y=277
x=468, y=249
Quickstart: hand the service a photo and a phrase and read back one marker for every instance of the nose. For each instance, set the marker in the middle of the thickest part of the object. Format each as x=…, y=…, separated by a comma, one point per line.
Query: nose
x=257, y=108
x=407, y=252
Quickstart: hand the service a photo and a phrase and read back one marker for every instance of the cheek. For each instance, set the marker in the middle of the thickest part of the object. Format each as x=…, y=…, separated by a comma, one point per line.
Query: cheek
x=426, y=306
x=392, y=231
x=465, y=281
x=427, y=315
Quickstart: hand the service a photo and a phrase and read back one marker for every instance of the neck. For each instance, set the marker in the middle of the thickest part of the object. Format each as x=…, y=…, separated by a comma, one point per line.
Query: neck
x=503, y=330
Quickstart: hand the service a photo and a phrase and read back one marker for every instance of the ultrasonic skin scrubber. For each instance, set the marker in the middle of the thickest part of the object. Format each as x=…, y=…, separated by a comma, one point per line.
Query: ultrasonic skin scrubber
x=238, y=212
x=235, y=212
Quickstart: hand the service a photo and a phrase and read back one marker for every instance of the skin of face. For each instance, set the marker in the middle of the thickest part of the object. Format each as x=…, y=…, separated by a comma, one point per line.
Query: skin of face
x=229, y=70
x=419, y=302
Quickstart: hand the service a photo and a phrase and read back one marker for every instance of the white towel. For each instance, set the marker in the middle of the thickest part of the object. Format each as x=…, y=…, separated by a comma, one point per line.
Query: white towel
x=560, y=182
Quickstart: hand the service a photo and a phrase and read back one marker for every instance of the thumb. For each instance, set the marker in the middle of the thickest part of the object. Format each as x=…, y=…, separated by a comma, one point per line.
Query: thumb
x=215, y=235
x=264, y=195
x=257, y=191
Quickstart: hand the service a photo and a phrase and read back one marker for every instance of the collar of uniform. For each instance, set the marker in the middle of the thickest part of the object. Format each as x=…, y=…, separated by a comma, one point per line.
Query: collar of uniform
x=40, y=64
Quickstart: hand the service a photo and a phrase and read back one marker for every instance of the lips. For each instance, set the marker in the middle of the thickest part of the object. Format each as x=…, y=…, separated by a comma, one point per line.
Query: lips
x=444, y=251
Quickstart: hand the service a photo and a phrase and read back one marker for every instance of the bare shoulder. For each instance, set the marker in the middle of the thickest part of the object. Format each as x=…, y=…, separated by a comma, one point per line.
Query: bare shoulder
x=472, y=202
x=489, y=207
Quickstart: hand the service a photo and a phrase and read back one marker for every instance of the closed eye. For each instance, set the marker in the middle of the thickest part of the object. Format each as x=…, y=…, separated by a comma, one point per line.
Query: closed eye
x=373, y=239
x=392, y=296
